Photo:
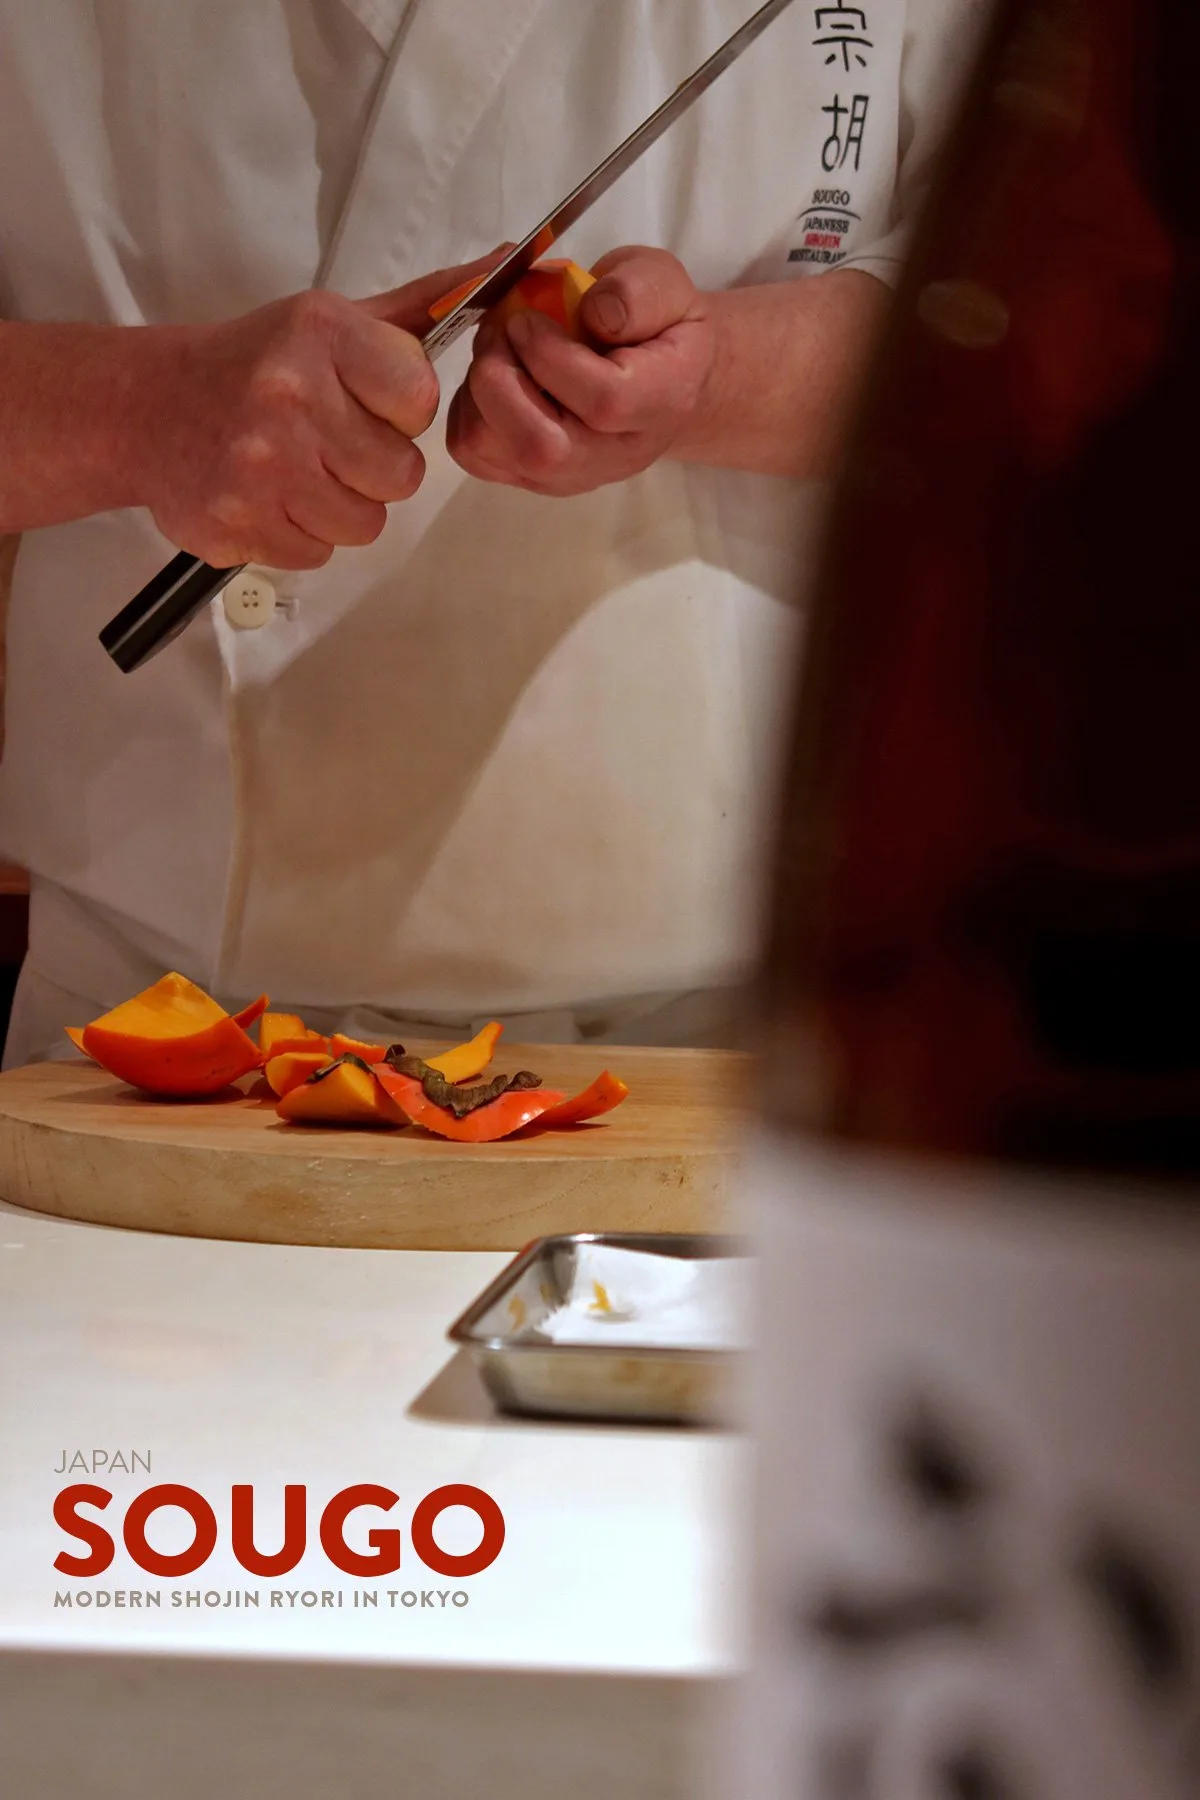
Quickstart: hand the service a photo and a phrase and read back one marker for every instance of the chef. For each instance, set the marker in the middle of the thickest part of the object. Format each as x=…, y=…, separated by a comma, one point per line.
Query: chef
x=501, y=749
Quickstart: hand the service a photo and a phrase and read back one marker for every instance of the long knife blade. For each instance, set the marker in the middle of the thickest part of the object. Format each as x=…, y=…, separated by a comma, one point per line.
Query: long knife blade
x=504, y=277
x=171, y=600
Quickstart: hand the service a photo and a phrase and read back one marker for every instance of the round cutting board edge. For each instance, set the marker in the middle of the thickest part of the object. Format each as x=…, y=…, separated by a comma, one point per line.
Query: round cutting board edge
x=76, y=1144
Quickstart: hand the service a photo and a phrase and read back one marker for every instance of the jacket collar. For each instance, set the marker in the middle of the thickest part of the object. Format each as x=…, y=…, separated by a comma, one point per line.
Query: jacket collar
x=444, y=68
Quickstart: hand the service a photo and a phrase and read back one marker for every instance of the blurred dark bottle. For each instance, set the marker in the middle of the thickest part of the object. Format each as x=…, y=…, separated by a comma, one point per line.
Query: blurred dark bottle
x=978, y=1182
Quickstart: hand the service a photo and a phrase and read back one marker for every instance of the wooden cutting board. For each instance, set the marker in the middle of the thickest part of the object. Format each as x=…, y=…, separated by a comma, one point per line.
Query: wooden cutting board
x=77, y=1143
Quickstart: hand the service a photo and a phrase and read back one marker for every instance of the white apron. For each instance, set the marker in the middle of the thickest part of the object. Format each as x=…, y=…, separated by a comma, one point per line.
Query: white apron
x=513, y=759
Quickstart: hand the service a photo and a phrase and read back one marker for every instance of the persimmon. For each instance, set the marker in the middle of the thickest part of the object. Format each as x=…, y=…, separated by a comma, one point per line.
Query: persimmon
x=554, y=287
x=171, y=1039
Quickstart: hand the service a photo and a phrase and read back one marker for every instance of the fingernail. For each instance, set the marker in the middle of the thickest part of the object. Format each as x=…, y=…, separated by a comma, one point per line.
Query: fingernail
x=610, y=313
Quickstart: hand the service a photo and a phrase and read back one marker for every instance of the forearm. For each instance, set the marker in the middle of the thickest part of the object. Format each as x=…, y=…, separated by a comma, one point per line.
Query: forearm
x=75, y=410
x=786, y=374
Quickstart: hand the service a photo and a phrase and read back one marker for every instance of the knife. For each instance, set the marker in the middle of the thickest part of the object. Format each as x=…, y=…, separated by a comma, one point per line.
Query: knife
x=169, y=602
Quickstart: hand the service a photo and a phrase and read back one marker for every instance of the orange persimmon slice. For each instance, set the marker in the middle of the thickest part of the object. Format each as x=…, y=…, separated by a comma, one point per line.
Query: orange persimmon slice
x=466, y=1061
x=340, y=1045
x=440, y=308
x=605, y=1093
x=289, y=1068
x=249, y=1014
x=345, y=1093
x=462, y=1063
x=171, y=1039
x=275, y=1029
x=311, y=1041
x=555, y=287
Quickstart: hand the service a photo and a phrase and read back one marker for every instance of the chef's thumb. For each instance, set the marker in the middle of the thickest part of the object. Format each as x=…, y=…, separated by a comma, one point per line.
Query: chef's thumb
x=638, y=295
x=408, y=307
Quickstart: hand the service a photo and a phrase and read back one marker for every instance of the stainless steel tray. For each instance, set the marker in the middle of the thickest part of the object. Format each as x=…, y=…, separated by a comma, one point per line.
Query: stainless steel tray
x=529, y=1374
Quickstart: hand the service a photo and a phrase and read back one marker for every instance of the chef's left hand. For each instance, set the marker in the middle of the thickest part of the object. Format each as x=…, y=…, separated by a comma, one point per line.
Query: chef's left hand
x=542, y=412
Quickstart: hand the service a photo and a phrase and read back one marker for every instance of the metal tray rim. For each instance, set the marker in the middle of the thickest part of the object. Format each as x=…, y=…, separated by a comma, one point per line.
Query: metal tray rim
x=462, y=1330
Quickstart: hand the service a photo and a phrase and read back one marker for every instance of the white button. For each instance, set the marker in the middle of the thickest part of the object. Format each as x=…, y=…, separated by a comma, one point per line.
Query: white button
x=249, y=601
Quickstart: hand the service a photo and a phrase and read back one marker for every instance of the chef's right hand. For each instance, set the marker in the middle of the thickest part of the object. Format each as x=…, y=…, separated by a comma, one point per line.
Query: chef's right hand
x=282, y=434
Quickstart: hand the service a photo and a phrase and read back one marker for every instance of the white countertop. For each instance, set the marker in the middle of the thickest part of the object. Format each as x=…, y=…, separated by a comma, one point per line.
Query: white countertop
x=245, y=1363
x=587, y=1658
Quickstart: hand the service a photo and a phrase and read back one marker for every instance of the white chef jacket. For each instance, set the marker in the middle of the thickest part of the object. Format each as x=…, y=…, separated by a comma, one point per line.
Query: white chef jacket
x=514, y=758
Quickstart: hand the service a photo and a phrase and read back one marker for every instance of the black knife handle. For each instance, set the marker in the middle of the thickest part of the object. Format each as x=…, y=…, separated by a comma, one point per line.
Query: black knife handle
x=162, y=609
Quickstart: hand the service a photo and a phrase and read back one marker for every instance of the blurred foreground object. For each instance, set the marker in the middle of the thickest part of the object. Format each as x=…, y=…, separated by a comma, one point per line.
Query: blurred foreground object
x=979, y=1401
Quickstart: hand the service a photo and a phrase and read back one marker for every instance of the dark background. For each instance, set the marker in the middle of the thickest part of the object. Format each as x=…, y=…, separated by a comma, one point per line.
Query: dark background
x=14, y=889
x=14, y=926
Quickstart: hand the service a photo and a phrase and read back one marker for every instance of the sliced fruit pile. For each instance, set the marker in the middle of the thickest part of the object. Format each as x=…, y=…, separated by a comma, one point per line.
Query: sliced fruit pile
x=175, y=1040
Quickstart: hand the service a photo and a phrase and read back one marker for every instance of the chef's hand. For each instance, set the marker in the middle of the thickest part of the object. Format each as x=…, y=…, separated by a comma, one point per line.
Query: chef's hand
x=542, y=412
x=284, y=433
